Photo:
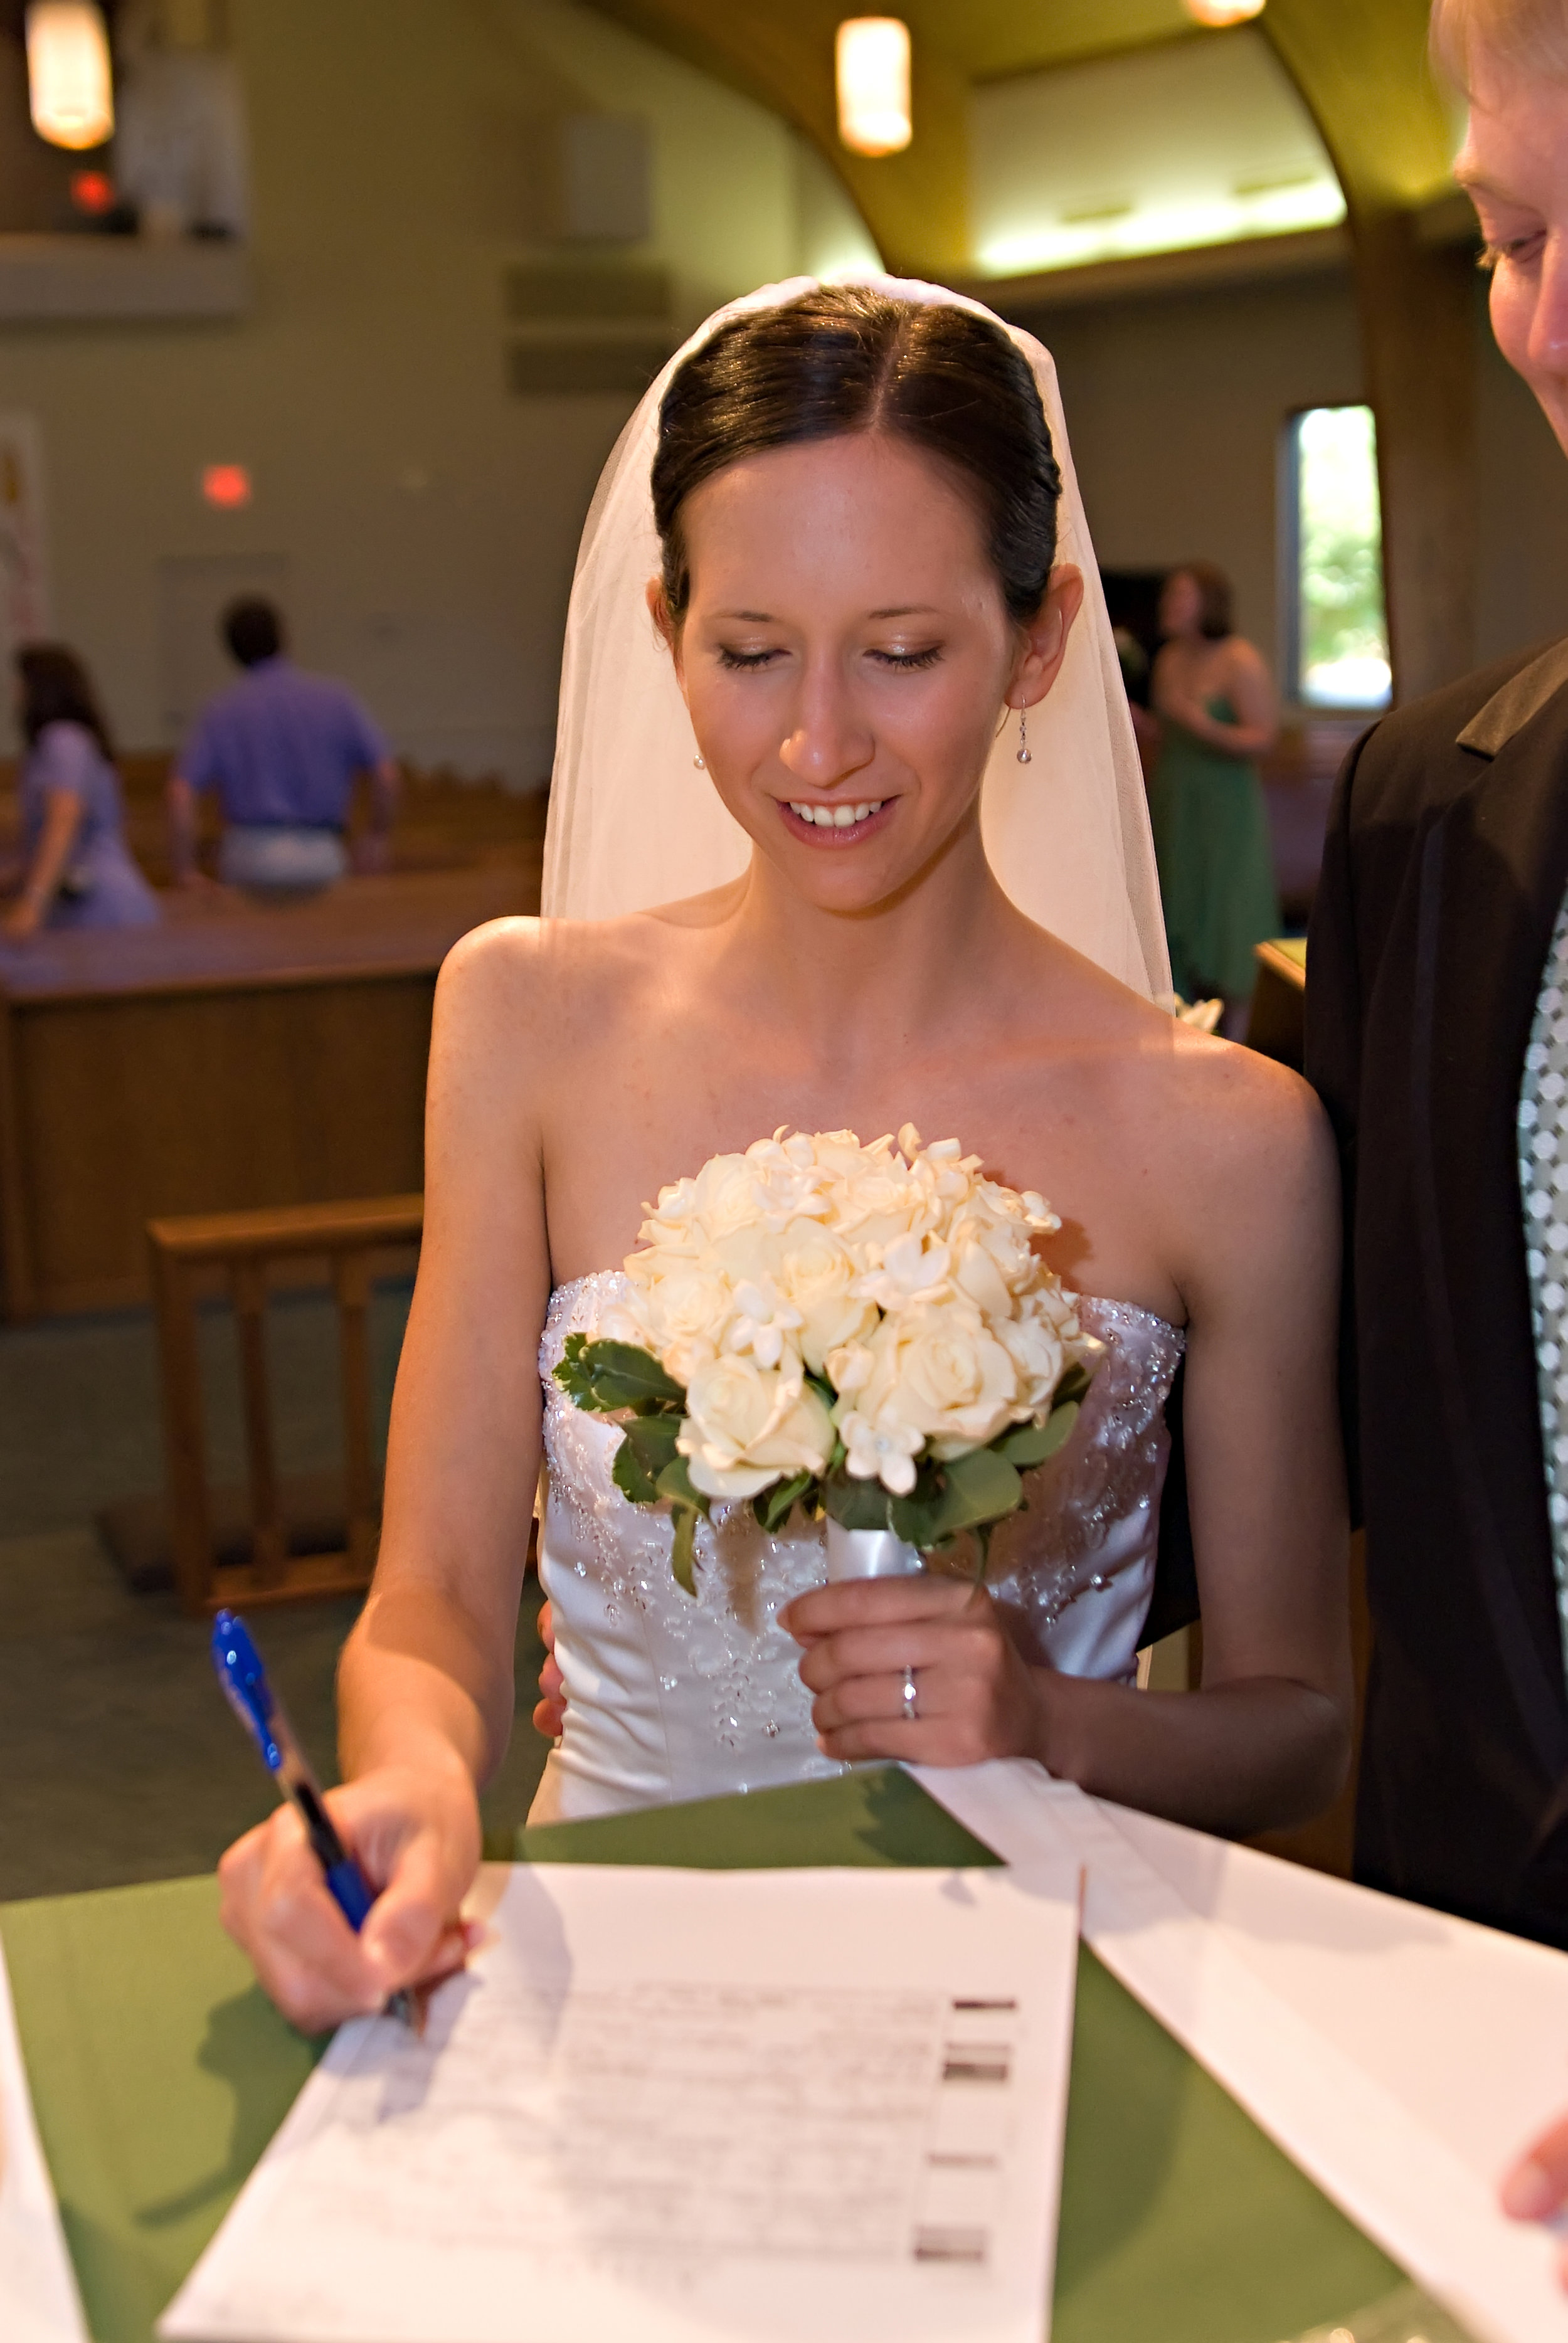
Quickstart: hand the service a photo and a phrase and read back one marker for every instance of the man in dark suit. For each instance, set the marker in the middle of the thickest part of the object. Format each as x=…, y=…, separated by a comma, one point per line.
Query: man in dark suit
x=1437, y=1034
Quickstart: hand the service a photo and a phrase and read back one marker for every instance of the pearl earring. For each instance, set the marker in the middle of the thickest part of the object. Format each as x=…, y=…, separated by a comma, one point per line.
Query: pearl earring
x=697, y=760
x=1025, y=755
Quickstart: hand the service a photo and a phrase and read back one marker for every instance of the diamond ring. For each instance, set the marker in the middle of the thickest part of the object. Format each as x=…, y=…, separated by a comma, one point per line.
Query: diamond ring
x=910, y=1697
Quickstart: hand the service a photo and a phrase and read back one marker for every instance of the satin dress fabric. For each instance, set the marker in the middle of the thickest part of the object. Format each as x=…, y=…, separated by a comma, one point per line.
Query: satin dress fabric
x=671, y=1697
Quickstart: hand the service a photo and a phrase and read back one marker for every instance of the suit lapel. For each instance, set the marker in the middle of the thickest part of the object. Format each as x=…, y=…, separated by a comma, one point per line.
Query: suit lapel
x=1493, y=870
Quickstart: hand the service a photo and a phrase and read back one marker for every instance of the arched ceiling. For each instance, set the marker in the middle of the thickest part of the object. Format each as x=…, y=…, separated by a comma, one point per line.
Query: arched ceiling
x=1359, y=65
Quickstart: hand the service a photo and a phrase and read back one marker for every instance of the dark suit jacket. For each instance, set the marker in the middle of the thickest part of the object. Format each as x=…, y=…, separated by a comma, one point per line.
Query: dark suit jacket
x=1446, y=865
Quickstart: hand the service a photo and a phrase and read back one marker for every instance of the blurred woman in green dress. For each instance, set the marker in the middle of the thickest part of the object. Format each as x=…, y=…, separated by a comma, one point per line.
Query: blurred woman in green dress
x=1215, y=701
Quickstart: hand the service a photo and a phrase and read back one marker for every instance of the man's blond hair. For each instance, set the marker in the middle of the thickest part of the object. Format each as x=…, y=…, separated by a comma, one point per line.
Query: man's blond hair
x=1520, y=35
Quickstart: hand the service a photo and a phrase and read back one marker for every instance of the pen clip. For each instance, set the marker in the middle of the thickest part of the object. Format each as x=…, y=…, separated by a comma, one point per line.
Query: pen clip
x=244, y=1680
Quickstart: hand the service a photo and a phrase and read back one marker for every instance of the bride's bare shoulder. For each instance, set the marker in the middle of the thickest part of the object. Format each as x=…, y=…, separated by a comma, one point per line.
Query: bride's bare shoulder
x=555, y=973
x=1212, y=1110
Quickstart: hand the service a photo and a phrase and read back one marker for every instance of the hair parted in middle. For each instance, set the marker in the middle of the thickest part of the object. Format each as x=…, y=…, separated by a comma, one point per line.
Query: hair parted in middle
x=845, y=359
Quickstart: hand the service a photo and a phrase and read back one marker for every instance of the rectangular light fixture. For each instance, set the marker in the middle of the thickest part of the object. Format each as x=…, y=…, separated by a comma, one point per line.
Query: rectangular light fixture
x=1223, y=12
x=872, y=58
x=70, y=80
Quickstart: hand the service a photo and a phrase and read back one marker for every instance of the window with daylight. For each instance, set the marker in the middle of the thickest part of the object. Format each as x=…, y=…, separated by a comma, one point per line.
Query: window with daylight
x=1338, y=650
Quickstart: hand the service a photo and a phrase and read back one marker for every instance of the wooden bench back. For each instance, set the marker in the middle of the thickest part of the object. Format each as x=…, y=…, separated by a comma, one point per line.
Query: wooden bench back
x=243, y=1247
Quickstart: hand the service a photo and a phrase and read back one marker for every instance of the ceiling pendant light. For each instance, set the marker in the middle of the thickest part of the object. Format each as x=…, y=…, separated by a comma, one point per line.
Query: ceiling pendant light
x=872, y=58
x=70, y=82
x=1223, y=12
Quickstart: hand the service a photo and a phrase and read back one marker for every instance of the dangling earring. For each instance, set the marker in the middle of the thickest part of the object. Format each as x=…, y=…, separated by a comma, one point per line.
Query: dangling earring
x=697, y=760
x=1024, y=755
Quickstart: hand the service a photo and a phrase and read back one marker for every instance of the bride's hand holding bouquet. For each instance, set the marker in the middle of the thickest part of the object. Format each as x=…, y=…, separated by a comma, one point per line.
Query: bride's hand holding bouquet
x=863, y=1336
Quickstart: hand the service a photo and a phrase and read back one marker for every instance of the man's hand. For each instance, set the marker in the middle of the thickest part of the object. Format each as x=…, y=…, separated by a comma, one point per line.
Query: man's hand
x=550, y=1711
x=1537, y=2188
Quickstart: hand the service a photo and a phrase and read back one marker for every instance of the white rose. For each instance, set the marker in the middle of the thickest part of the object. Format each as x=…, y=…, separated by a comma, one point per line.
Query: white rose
x=877, y=1203
x=671, y=1224
x=727, y=1195
x=994, y=1257
x=1034, y=1342
x=941, y=1372
x=684, y=1314
x=746, y=1427
x=815, y=1273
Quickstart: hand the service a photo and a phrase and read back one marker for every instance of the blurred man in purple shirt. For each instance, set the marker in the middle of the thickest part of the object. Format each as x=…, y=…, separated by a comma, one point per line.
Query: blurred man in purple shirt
x=282, y=749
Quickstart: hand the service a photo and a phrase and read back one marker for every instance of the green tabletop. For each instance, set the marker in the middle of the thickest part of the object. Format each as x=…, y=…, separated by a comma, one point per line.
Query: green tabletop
x=159, y=2073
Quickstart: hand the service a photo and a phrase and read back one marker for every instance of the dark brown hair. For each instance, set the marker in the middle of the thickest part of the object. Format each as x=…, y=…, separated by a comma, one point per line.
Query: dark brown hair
x=253, y=629
x=844, y=359
x=1216, y=598
x=55, y=689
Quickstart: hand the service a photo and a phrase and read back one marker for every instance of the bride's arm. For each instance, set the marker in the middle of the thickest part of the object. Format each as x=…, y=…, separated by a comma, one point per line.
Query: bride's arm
x=425, y=1686
x=1254, y=1220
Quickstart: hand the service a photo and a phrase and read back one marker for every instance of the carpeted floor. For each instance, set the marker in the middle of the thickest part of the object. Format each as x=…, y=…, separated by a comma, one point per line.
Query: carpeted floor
x=119, y=1759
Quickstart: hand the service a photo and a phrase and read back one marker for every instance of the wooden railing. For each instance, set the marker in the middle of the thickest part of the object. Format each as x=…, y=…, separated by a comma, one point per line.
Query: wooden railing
x=243, y=1247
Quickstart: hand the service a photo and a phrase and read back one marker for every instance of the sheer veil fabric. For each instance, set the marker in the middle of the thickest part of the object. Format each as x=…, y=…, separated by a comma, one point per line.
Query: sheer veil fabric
x=633, y=823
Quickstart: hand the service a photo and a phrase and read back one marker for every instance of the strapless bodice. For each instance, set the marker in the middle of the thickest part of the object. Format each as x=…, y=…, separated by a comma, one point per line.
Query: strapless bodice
x=670, y=1697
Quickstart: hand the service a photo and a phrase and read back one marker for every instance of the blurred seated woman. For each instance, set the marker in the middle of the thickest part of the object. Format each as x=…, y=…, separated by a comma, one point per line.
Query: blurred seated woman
x=76, y=870
x=1215, y=700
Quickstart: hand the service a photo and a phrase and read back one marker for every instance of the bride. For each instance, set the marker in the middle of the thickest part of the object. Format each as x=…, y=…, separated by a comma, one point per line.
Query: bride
x=821, y=602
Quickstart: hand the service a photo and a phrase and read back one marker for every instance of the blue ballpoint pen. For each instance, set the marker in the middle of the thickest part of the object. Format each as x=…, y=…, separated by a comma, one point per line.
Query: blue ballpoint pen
x=254, y=1702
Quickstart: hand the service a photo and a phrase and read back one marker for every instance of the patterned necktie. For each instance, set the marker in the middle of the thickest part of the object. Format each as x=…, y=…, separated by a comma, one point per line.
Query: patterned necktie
x=1544, y=1187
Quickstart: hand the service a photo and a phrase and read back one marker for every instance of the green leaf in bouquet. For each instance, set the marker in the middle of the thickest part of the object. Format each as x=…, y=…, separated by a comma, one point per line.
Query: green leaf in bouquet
x=855, y=1504
x=1027, y=1444
x=572, y=1375
x=981, y=1487
x=606, y=1378
x=648, y=1445
x=774, y=1506
x=1073, y=1384
x=675, y=1482
x=683, y=1550
x=686, y=1501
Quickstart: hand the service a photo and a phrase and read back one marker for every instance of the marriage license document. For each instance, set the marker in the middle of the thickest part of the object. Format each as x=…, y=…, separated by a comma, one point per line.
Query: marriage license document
x=682, y=2104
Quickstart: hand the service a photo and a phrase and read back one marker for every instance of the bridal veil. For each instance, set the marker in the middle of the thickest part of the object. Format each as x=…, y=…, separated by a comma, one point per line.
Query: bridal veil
x=633, y=823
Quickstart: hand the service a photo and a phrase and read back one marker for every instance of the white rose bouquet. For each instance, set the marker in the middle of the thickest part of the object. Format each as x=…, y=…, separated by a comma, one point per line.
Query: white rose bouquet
x=864, y=1332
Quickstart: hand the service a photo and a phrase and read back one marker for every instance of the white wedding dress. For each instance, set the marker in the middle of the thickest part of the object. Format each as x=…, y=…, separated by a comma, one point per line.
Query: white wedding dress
x=668, y=1698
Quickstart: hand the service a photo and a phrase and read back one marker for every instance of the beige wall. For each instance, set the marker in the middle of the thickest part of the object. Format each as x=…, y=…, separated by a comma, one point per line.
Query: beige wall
x=1177, y=406
x=429, y=517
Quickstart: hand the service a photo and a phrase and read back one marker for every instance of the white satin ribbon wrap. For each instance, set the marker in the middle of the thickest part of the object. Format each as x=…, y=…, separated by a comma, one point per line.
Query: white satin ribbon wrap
x=868, y=1554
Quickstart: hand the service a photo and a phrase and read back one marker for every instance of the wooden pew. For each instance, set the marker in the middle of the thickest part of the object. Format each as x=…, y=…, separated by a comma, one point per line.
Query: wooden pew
x=443, y=823
x=238, y=1057
x=1277, y=1023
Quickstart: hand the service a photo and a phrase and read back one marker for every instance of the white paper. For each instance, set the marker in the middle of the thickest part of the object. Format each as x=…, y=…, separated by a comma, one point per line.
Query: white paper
x=1401, y=2058
x=38, y=2301
x=669, y=2104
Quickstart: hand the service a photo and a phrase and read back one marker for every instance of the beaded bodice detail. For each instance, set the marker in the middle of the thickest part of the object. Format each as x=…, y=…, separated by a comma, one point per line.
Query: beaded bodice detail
x=673, y=1697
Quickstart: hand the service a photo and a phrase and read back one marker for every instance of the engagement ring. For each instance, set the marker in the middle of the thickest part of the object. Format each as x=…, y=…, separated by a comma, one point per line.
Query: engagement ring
x=910, y=1697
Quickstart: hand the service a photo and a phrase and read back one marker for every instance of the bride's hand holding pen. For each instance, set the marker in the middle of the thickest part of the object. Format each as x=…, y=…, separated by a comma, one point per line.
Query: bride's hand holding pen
x=414, y=1831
